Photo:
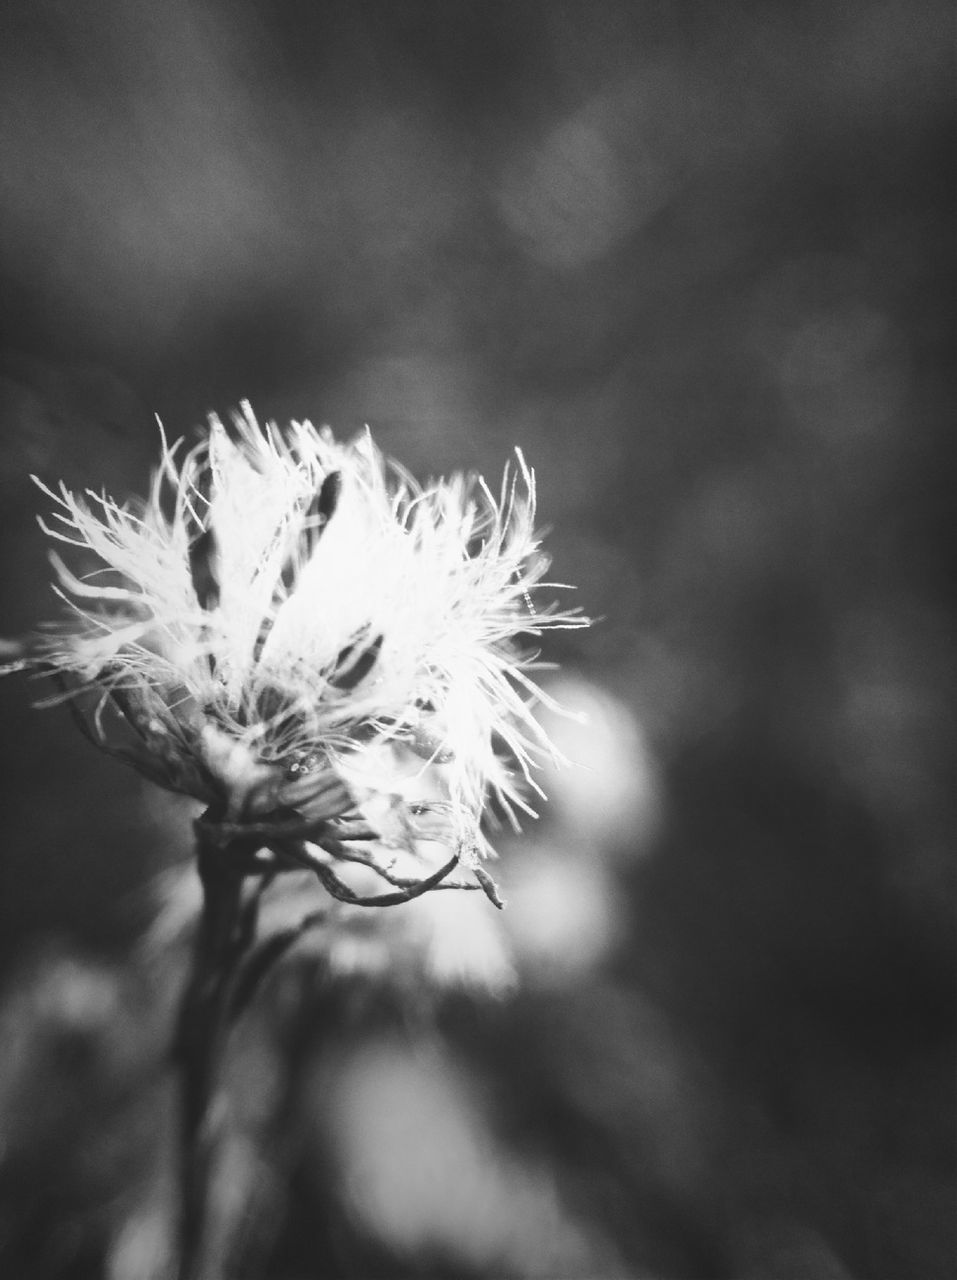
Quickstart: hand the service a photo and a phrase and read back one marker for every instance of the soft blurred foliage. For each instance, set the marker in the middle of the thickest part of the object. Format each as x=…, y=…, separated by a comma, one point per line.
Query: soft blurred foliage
x=698, y=260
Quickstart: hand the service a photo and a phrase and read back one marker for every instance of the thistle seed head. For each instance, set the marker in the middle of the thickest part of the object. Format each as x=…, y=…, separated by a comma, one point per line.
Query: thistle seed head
x=294, y=631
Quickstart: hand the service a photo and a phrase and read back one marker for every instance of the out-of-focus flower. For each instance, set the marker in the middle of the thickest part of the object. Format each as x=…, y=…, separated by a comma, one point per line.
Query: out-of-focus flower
x=422, y=1170
x=296, y=633
x=613, y=798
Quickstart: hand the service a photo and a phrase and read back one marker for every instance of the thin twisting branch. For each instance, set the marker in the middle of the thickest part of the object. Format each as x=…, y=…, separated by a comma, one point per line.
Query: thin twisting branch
x=299, y=854
x=249, y=916
x=344, y=854
x=266, y=957
x=293, y=827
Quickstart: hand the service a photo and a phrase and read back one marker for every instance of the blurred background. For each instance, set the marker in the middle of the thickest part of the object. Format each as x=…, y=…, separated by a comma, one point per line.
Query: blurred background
x=698, y=261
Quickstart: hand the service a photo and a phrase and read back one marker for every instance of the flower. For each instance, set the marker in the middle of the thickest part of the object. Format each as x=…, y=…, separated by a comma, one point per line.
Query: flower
x=324, y=652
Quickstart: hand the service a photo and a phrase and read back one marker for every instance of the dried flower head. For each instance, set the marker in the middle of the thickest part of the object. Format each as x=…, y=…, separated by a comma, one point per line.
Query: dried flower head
x=324, y=652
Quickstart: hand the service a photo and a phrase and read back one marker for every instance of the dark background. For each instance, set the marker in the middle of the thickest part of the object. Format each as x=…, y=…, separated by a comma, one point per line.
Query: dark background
x=698, y=261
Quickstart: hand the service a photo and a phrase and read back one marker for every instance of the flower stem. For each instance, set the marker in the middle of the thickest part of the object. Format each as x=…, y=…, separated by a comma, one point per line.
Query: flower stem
x=202, y=1033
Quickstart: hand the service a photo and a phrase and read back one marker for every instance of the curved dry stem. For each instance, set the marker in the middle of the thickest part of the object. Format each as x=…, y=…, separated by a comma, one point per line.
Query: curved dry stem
x=225, y=933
